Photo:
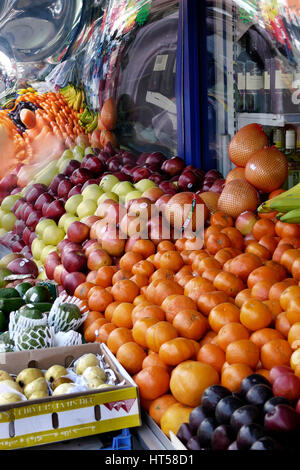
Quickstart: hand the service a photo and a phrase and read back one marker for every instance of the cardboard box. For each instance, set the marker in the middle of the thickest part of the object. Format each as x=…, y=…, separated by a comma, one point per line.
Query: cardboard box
x=53, y=419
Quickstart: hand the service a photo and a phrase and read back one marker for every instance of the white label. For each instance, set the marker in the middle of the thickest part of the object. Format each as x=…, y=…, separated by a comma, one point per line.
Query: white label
x=283, y=80
x=267, y=81
x=290, y=140
x=254, y=82
x=241, y=81
x=160, y=63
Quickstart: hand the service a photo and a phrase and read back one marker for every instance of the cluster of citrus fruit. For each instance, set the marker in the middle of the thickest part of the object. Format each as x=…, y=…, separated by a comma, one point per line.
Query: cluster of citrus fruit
x=180, y=319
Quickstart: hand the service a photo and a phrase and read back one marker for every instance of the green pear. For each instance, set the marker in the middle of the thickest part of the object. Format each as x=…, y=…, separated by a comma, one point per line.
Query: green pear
x=64, y=389
x=86, y=361
x=37, y=385
x=55, y=372
x=94, y=372
x=28, y=375
x=6, y=398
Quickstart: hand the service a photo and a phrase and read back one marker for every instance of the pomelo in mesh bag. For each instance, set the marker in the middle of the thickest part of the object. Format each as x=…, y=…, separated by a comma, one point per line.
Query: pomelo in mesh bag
x=248, y=140
x=211, y=200
x=237, y=173
x=267, y=169
x=238, y=196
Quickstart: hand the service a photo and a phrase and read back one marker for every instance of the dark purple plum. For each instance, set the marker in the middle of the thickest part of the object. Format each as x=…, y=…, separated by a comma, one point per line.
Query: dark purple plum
x=193, y=443
x=211, y=397
x=222, y=437
x=196, y=418
x=259, y=394
x=247, y=414
x=184, y=433
x=265, y=443
x=226, y=407
x=248, y=434
x=251, y=380
x=270, y=404
x=205, y=431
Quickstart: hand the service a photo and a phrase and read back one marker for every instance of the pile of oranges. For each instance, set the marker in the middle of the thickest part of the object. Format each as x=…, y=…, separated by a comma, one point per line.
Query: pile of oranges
x=180, y=320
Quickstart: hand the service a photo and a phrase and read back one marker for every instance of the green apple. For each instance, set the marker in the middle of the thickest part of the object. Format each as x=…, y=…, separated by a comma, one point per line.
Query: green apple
x=144, y=184
x=68, y=220
x=86, y=207
x=89, y=151
x=9, y=202
x=108, y=182
x=67, y=154
x=92, y=191
x=108, y=195
x=8, y=221
x=72, y=203
x=2, y=232
x=37, y=247
x=62, y=220
x=78, y=153
x=53, y=235
x=133, y=195
x=46, y=250
x=63, y=165
x=42, y=225
x=2, y=213
x=47, y=175
x=123, y=188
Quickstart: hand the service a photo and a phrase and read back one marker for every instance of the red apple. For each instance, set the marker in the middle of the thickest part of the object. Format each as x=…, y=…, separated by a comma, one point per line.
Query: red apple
x=140, y=173
x=162, y=200
x=218, y=186
x=156, y=158
x=128, y=159
x=70, y=246
x=19, y=226
x=54, y=210
x=64, y=188
x=23, y=266
x=121, y=176
x=93, y=164
x=51, y=262
x=8, y=182
x=157, y=178
x=75, y=190
x=126, y=169
x=26, y=235
x=173, y=166
x=80, y=176
x=245, y=222
x=33, y=235
x=153, y=194
x=142, y=158
x=141, y=206
x=113, y=244
x=26, y=252
x=74, y=261
x=90, y=220
x=129, y=225
x=77, y=233
x=287, y=386
x=114, y=164
x=97, y=259
x=131, y=241
x=88, y=182
x=104, y=157
x=158, y=230
x=34, y=191
x=57, y=273
x=93, y=246
x=111, y=212
x=63, y=244
x=27, y=211
x=72, y=166
x=41, y=200
x=33, y=219
x=278, y=371
x=55, y=182
x=214, y=174
x=188, y=181
x=168, y=188
x=109, y=149
x=17, y=204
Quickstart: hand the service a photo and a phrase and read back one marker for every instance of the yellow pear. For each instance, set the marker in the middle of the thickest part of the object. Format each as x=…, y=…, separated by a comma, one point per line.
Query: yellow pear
x=86, y=361
x=28, y=375
x=37, y=385
x=55, y=372
x=11, y=384
x=94, y=372
x=6, y=398
x=5, y=376
x=64, y=389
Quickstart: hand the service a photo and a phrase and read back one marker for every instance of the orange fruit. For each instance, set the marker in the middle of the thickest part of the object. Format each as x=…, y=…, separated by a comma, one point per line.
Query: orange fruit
x=118, y=337
x=242, y=351
x=233, y=374
x=153, y=382
x=190, y=324
x=276, y=352
x=213, y=355
x=242, y=296
x=110, y=310
x=209, y=300
x=289, y=295
x=262, y=336
x=92, y=331
x=261, y=290
x=175, y=303
x=228, y=283
x=210, y=337
x=197, y=286
x=294, y=336
x=282, y=324
x=99, y=298
x=158, y=334
x=162, y=274
x=153, y=359
x=81, y=292
x=122, y=315
x=104, y=332
x=104, y=276
x=231, y=332
x=131, y=356
x=222, y=314
x=125, y=290
x=140, y=328
x=221, y=218
x=171, y=260
x=129, y=259
x=143, y=267
x=159, y=406
x=147, y=311
x=263, y=227
x=144, y=247
x=255, y=315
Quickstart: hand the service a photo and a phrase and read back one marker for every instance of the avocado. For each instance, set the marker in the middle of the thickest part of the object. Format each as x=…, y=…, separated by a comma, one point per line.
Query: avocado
x=23, y=287
x=37, y=294
x=8, y=293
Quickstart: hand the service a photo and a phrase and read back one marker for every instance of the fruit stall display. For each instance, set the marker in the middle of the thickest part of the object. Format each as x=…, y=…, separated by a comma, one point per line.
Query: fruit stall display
x=198, y=328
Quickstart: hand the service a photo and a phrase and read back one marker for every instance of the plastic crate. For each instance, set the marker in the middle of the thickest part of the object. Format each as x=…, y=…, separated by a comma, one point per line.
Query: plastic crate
x=121, y=441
